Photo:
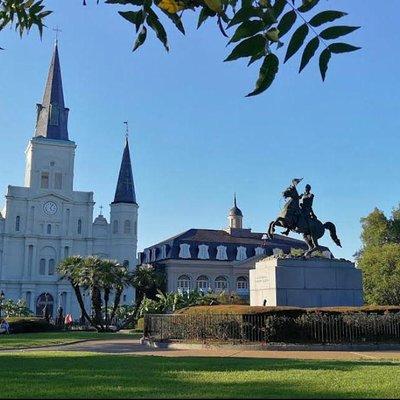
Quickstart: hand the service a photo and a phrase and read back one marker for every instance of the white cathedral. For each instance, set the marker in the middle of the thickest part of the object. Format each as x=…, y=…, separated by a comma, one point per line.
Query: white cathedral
x=46, y=220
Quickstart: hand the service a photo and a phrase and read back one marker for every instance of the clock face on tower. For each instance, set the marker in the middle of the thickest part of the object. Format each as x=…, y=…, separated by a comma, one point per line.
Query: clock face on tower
x=50, y=208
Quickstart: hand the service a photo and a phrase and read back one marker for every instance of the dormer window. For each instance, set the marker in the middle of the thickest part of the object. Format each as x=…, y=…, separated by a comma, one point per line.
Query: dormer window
x=241, y=253
x=221, y=253
x=259, y=251
x=184, y=250
x=203, y=252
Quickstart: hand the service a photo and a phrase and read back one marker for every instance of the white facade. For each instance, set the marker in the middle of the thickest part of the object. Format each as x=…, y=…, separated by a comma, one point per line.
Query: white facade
x=46, y=220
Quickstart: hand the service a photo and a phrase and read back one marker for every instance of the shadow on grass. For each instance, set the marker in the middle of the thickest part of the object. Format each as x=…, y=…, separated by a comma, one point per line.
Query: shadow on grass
x=94, y=376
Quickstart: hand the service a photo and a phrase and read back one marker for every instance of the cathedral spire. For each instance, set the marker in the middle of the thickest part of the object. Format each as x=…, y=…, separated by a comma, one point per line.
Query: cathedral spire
x=125, y=191
x=52, y=115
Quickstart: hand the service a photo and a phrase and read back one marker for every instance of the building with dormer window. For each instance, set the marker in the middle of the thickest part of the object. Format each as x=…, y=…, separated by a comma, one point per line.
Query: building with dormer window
x=217, y=260
x=47, y=220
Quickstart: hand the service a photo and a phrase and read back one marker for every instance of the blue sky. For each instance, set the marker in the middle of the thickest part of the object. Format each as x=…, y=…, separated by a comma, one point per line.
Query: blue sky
x=195, y=138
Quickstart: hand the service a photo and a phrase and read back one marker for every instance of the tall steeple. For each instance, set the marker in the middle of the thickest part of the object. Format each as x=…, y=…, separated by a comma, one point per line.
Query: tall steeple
x=125, y=191
x=52, y=115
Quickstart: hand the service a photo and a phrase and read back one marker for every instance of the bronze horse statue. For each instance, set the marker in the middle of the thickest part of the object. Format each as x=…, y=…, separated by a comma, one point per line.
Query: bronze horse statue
x=294, y=219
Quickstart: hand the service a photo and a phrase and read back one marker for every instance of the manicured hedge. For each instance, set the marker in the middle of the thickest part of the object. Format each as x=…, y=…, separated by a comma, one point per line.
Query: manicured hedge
x=287, y=326
x=289, y=311
x=29, y=324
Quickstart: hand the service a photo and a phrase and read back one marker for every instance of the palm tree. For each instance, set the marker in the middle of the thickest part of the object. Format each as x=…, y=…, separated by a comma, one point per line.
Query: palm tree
x=147, y=281
x=100, y=277
x=74, y=270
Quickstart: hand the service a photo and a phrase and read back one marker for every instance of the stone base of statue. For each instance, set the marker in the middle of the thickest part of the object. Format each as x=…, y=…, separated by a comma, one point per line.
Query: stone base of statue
x=300, y=282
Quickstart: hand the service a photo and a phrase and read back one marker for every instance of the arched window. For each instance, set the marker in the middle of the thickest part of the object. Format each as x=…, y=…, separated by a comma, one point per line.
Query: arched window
x=28, y=299
x=58, y=180
x=184, y=283
x=30, y=259
x=45, y=300
x=127, y=226
x=44, y=180
x=51, y=266
x=42, y=266
x=17, y=223
x=48, y=229
x=115, y=226
x=221, y=283
x=66, y=251
x=242, y=283
x=202, y=282
x=79, y=226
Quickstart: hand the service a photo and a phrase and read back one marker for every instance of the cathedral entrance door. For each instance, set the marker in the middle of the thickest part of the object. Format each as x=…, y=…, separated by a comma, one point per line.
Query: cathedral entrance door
x=43, y=300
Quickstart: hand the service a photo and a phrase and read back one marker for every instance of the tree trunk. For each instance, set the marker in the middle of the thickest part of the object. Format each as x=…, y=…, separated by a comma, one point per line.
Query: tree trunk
x=106, y=298
x=96, y=305
x=78, y=295
x=117, y=300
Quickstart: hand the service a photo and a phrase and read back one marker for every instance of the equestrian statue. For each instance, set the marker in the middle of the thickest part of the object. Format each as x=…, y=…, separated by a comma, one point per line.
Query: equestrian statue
x=298, y=216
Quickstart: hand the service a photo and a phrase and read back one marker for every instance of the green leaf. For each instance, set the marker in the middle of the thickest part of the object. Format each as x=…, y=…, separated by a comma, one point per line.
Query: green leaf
x=309, y=52
x=342, y=48
x=244, y=14
x=176, y=20
x=286, y=22
x=268, y=71
x=256, y=57
x=246, y=29
x=278, y=7
x=296, y=41
x=140, y=39
x=155, y=24
x=337, y=31
x=248, y=47
x=134, y=17
x=326, y=16
x=204, y=14
x=323, y=62
x=308, y=5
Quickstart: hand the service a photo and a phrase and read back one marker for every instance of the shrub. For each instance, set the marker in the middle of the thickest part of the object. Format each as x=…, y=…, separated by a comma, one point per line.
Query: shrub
x=295, y=326
x=29, y=324
x=293, y=311
x=17, y=308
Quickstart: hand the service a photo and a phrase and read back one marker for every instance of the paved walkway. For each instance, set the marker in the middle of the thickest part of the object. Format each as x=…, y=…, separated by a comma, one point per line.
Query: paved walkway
x=134, y=347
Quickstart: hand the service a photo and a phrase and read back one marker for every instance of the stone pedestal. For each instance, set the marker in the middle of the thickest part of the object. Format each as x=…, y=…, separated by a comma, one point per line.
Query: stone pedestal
x=298, y=282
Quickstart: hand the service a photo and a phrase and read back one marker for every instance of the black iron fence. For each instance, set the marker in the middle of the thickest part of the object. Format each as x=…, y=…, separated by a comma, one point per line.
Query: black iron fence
x=304, y=328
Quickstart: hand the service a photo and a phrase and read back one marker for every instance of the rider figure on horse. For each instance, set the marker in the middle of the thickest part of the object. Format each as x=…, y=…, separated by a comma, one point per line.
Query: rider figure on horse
x=306, y=203
x=298, y=216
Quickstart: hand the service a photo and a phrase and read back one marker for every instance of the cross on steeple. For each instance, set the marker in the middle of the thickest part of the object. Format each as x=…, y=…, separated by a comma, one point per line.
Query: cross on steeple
x=101, y=210
x=57, y=30
x=126, y=130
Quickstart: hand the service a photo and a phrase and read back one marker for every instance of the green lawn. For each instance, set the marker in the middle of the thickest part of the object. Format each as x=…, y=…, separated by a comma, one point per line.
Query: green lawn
x=90, y=375
x=22, y=340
